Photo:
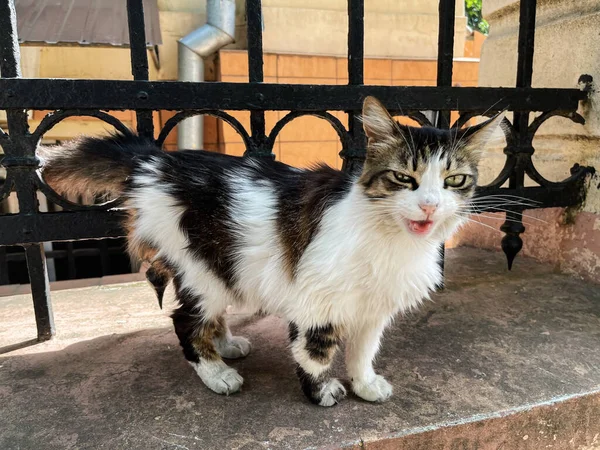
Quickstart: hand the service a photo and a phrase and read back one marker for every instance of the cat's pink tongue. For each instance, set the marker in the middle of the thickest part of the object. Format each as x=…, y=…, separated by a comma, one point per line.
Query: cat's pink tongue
x=420, y=226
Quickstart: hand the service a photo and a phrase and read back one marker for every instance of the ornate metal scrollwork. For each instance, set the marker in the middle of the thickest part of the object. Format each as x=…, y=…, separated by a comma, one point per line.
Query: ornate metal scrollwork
x=8, y=184
x=519, y=151
x=337, y=125
x=518, y=163
x=228, y=118
x=417, y=116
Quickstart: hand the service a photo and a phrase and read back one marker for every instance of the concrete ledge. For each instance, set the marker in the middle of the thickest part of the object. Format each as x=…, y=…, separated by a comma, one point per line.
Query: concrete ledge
x=18, y=289
x=498, y=360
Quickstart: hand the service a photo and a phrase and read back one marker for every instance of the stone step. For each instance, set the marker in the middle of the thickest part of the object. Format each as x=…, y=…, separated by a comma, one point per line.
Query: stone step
x=498, y=360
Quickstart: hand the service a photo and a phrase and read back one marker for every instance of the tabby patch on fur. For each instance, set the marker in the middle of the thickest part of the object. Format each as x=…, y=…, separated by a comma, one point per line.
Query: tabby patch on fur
x=335, y=254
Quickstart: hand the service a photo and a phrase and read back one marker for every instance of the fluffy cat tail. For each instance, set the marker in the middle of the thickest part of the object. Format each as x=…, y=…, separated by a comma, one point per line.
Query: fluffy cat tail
x=94, y=165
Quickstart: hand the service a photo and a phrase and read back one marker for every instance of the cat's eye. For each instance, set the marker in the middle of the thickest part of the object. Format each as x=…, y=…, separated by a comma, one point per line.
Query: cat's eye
x=456, y=181
x=403, y=178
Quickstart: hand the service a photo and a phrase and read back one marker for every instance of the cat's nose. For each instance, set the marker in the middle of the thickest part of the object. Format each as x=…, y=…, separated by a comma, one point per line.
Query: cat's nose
x=428, y=208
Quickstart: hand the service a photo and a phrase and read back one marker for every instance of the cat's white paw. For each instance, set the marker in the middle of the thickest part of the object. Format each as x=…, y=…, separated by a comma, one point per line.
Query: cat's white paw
x=332, y=392
x=219, y=377
x=377, y=390
x=233, y=348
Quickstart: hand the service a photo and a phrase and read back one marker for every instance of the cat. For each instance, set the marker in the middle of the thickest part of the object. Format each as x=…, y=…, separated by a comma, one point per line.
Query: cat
x=336, y=254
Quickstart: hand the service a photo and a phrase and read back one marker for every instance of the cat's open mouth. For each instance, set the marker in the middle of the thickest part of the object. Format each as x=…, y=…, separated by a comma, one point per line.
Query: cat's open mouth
x=420, y=226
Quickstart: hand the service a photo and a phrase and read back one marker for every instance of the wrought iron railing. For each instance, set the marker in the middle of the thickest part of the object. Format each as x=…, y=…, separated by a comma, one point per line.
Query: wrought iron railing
x=30, y=227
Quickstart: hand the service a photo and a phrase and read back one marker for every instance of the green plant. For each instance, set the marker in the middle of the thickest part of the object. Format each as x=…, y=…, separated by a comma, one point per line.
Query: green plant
x=475, y=20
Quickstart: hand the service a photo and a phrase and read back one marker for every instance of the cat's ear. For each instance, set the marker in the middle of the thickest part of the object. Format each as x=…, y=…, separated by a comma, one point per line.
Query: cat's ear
x=475, y=139
x=378, y=124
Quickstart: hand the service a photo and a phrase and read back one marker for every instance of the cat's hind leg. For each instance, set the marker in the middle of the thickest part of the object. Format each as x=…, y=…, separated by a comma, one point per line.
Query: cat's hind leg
x=229, y=346
x=197, y=335
x=313, y=350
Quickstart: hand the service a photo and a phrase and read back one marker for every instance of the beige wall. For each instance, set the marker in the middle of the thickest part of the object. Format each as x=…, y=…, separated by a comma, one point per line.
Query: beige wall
x=567, y=44
x=84, y=63
x=393, y=29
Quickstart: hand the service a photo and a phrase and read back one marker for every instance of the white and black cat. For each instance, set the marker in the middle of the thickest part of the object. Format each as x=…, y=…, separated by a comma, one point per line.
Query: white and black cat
x=337, y=255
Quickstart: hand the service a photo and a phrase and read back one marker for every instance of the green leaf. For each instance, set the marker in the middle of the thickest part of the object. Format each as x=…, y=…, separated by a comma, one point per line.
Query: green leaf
x=474, y=17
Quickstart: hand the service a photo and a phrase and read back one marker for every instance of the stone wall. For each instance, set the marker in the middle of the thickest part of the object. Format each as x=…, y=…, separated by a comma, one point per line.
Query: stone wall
x=567, y=45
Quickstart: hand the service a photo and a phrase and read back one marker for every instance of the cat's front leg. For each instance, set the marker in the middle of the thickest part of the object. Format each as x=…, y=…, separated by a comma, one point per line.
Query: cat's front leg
x=361, y=349
x=313, y=349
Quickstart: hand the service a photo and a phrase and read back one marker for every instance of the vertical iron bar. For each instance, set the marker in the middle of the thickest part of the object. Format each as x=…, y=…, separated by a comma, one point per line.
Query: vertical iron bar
x=447, y=12
x=104, y=260
x=354, y=156
x=139, y=61
x=3, y=267
x=40, y=290
x=10, y=57
x=356, y=41
x=21, y=145
x=71, y=267
x=255, y=41
x=9, y=44
x=525, y=58
x=256, y=75
x=526, y=42
x=513, y=226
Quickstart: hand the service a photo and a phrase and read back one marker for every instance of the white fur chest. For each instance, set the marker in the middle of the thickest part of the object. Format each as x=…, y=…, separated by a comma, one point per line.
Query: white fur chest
x=354, y=273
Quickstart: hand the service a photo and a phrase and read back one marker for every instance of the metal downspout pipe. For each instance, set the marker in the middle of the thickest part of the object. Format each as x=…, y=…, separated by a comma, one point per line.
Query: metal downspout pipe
x=201, y=43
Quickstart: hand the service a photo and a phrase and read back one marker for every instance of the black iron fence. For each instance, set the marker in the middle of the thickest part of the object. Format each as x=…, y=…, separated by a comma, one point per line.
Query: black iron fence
x=30, y=227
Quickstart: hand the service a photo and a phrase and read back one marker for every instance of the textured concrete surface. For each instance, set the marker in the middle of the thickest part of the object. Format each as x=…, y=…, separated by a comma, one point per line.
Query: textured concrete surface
x=498, y=360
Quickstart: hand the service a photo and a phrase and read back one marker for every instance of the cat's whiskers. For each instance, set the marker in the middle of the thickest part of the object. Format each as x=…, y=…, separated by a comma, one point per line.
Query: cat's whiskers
x=504, y=196
x=502, y=219
x=494, y=209
x=513, y=199
x=494, y=205
x=506, y=199
x=503, y=203
x=500, y=211
x=469, y=219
